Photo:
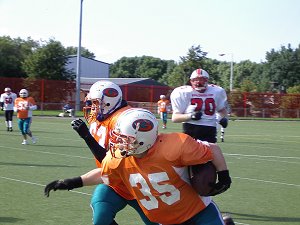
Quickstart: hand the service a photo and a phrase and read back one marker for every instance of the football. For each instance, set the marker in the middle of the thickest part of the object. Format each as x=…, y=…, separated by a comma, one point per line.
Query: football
x=202, y=176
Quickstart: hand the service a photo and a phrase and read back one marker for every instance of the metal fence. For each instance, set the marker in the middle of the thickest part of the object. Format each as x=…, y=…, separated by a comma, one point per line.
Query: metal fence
x=53, y=94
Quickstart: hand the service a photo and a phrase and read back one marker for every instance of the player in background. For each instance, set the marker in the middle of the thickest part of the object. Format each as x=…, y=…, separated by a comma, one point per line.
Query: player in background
x=67, y=108
x=106, y=105
x=24, y=105
x=87, y=103
x=163, y=107
x=196, y=106
x=153, y=169
x=7, y=100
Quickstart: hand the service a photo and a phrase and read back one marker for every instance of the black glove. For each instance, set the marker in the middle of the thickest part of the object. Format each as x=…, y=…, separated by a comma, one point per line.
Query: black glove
x=224, y=122
x=196, y=115
x=224, y=182
x=98, y=151
x=67, y=184
x=80, y=127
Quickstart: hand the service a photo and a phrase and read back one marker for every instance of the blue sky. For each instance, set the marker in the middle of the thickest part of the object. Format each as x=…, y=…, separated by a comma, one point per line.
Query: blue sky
x=244, y=29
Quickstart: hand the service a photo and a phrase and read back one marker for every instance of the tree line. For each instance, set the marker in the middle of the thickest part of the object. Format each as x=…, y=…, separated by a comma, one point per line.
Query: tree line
x=280, y=72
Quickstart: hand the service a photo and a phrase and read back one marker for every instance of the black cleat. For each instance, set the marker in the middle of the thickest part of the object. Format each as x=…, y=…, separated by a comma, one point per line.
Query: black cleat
x=228, y=220
x=10, y=129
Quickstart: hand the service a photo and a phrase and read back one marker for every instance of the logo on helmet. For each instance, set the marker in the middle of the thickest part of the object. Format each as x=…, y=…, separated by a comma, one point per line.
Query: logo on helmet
x=144, y=125
x=110, y=92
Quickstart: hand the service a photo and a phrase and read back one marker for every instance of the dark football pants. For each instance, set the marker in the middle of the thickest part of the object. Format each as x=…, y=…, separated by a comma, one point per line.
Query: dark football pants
x=106, y=203
x=199, y=132
x=9, y=115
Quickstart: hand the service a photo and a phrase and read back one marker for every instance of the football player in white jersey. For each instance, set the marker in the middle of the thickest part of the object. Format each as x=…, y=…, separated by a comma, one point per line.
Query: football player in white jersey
x=196, y=106
x=7, y=100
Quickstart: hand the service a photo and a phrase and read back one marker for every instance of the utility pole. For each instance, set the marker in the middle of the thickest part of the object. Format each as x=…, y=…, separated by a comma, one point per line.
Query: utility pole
x=78, y=69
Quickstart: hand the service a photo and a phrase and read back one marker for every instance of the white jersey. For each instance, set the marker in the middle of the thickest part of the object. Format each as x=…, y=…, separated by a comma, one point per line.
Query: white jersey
x=8, y=100
x=209, y=102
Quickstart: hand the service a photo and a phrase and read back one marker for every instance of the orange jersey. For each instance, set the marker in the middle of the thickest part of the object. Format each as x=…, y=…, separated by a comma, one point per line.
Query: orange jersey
x=163, y=105
x=100, y=130
x=160, y=180
x=20, y=106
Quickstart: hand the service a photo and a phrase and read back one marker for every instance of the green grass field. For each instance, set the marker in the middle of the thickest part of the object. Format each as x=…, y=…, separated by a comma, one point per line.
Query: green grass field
x=263, y=158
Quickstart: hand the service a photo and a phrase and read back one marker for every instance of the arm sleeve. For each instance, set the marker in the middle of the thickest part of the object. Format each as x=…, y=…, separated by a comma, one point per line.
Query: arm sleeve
x=195, y=152
x=98, y=151
x=222, y=99
x=34, y=107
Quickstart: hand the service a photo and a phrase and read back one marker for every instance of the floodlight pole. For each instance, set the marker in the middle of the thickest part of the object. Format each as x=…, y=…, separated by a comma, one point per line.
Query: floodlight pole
x=231, y=71
x=78, y=69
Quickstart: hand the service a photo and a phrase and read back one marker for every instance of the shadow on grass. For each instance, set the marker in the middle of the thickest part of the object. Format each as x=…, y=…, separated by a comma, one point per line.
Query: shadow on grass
x=10, y=219
x=252, y=217
x=34, y=165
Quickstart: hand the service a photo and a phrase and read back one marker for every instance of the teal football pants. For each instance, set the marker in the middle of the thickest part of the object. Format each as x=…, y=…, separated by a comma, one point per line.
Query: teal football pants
x=24, y=125
x=209, y=216
x=106, y=203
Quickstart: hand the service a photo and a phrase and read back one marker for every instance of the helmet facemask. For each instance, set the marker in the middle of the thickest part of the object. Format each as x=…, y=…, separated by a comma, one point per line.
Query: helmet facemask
x=199, y=80
x=135, y=132
x=23, y=93
x=106, y=98
x=125, y=144
x=199, y=83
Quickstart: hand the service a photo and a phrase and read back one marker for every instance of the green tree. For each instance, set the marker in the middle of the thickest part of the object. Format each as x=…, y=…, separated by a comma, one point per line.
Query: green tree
x=150, y=67
x=176, y=77
x=124, y=67
x=247, y=85
x=48, y=62
x=12, y=53
x=194, y=59
x=293, y=90
x=141, y=67
x=84, y=52
x=284, y=67
x=223, y=71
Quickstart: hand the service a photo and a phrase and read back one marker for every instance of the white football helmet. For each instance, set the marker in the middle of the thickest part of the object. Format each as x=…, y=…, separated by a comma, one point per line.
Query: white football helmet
x=23, y=93
x=7, y=89
x=162, y=96
x=106, y=97
x=197, y=83
x=135, y=132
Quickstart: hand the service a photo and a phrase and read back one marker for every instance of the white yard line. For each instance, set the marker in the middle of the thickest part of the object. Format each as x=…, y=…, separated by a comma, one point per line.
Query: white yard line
x=32, y=183
x=43, y=152
x=267, y=181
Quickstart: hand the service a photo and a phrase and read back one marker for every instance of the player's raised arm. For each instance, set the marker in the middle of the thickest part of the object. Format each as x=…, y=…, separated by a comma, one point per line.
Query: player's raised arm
x=81, y=128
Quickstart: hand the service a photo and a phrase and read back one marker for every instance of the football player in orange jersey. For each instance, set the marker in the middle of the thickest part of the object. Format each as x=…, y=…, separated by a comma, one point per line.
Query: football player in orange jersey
x=163, y=107
x=24, y=105
x=106, y=105
x=153, y=169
